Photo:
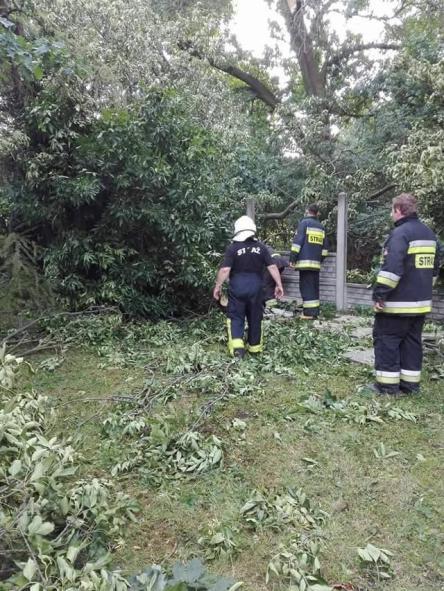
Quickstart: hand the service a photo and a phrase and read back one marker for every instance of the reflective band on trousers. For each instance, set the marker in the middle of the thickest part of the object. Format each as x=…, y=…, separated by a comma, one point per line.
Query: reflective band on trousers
x=324, y=253
x=311, y=304
x=308, y=265
x=422, y=246
x=233, y=343
x=387, y=377
x=409, y=375
x=295, y=248
x=421, y=307
x=257, y=348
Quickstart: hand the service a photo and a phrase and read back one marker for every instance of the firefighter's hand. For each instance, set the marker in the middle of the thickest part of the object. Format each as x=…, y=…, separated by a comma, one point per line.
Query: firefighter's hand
x=378, y=306
x=216, y=292
x=278, y=292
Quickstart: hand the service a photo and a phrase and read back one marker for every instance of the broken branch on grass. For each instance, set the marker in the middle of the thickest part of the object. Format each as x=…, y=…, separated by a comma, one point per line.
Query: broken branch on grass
x=102, y=399
x=91, y=311
x=207, y=409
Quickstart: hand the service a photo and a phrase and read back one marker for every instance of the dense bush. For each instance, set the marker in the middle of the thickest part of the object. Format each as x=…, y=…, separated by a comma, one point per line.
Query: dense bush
x=133, y=216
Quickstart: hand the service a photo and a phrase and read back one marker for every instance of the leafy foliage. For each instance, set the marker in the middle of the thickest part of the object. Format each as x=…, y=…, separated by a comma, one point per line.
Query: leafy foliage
x=352, y=411
x=21, y=279
x=191, y=576
x=289, y=509
x=157, y=450
x=298, y=565
x=57, y=532
x=376, y=562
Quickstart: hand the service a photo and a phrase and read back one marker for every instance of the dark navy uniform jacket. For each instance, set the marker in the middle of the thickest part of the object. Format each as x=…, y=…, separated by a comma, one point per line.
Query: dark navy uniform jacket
x=269, y=283
x=310, y=245
x=409, y=263
x=250, y=256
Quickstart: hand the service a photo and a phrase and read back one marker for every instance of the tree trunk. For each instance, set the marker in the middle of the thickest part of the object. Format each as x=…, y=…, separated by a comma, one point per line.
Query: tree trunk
x=301, y=44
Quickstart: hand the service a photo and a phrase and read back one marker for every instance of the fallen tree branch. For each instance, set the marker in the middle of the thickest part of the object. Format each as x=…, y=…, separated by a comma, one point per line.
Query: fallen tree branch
x=90, y=311
x=114, y=398
x=281, y=214
x=39, y=348
x=258, y=88
x=207, y=409
x=381, y=191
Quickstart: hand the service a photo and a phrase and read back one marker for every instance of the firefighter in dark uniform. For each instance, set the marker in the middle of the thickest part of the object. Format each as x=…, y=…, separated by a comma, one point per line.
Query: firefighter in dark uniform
x=308, y=250
x=244, y=263
x=281, y=263
x=403, y=296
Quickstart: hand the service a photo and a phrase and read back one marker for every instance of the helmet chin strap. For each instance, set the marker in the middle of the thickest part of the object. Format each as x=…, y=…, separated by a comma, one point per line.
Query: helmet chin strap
x=245, y=230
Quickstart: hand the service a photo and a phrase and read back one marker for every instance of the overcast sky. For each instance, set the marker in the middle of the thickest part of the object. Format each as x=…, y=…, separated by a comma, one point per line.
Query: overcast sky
x=250, y=24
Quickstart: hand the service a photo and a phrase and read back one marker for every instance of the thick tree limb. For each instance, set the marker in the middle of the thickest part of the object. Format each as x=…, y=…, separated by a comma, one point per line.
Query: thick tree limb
x=381, y=191
x=281, y=214
x=338, y=57
x=260, y=90
x=301, y=43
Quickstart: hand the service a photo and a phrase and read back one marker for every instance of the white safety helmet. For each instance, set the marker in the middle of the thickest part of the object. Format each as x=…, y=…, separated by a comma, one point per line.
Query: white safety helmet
x=244, y=228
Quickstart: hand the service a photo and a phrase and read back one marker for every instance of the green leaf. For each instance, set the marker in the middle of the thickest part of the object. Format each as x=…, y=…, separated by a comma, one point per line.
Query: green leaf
x=189, y=572
x=38, y=472
x=29, y=569
x=15, y=467
x=38, y=72
x=38, y=527
x=374, y=552
x=72, y=553
x=364, y=555
x=218, y=538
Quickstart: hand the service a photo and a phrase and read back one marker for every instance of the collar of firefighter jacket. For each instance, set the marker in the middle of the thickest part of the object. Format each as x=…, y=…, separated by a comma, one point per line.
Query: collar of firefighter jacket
x=407, y=218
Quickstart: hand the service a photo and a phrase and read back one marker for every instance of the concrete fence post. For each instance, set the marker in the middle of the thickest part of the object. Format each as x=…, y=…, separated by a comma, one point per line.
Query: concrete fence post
x=251, y=208
x=341, y=254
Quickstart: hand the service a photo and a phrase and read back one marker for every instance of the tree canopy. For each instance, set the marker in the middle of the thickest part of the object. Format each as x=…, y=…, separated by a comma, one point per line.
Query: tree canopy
x=133, y=132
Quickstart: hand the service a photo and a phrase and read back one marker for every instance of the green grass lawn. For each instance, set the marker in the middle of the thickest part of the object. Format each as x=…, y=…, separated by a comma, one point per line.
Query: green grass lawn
x=291, y=419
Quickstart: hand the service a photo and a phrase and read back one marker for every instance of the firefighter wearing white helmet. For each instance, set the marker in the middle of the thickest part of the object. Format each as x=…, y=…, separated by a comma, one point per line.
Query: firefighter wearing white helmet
x=244, y=263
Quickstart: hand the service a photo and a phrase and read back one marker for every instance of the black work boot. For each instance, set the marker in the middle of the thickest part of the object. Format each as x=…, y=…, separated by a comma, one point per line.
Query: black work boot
x=239, y=353
x=406, y=391
x=380, y=390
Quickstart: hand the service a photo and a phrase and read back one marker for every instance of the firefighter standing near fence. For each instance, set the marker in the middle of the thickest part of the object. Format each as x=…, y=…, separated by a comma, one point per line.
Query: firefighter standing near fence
x=244, y=263
x=402, y=297
x=308, y=250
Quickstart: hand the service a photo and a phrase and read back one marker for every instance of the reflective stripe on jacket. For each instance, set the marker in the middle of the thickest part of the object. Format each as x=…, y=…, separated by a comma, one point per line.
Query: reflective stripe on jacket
x=310, y=244
x=409, y=263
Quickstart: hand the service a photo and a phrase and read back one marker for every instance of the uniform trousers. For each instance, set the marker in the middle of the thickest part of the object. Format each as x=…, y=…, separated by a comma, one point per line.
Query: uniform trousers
x=309, y=288
x=398, y=352
x=245, y=302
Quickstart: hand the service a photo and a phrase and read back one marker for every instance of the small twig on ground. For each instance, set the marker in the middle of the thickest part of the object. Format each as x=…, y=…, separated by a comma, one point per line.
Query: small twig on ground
x=94, y=416
x=167, y=558
x=207, y=409
x=116, y=398
x=39, y=348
